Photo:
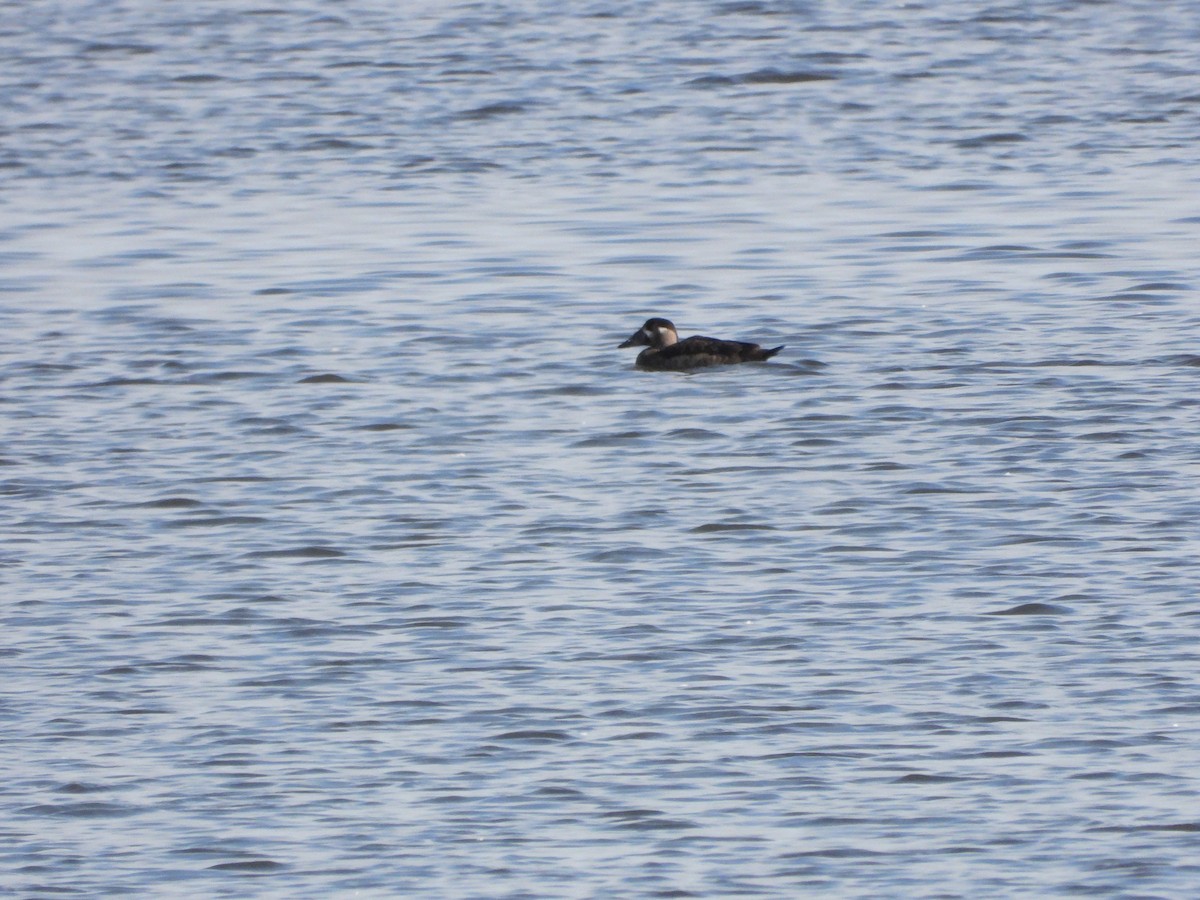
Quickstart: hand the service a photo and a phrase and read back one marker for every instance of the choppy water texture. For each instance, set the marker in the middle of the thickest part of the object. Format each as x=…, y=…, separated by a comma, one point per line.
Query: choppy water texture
x=343, y=551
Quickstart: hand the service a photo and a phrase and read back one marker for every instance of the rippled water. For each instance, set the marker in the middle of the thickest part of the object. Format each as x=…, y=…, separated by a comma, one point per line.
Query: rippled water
x=344, y=552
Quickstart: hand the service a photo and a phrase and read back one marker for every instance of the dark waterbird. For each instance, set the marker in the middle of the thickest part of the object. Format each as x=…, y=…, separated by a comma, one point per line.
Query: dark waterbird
x=665, y=352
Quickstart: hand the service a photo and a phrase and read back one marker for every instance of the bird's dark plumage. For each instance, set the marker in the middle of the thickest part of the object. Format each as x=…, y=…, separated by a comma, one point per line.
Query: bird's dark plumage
x=665, y=352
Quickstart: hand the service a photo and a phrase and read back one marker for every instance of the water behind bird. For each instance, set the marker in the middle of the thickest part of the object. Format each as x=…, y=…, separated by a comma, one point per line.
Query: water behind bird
x=345, y=552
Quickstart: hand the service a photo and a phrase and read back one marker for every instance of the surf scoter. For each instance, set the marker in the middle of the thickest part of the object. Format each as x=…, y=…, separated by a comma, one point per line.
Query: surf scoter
x=665, y=352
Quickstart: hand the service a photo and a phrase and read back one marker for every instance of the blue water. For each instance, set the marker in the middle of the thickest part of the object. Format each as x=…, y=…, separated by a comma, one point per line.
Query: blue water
x=345, y=554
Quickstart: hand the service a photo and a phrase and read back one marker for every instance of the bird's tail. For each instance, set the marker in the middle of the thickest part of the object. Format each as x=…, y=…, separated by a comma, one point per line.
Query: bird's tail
x=767, y=354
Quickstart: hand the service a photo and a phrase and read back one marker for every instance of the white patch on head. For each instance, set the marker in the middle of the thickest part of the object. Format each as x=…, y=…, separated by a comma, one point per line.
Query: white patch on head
x=666, y=336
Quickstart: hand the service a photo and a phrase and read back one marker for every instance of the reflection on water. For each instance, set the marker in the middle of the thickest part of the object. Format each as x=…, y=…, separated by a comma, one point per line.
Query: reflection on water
x=345, y=552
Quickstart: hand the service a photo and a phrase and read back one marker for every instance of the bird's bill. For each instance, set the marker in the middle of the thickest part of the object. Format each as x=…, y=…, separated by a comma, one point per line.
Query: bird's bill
x=638, y=339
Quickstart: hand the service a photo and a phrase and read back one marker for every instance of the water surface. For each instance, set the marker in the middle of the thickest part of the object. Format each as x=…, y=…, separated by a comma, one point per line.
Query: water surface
x=344, y=552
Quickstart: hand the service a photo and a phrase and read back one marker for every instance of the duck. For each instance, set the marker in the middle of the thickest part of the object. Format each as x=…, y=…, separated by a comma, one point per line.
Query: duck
x=665, y=352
